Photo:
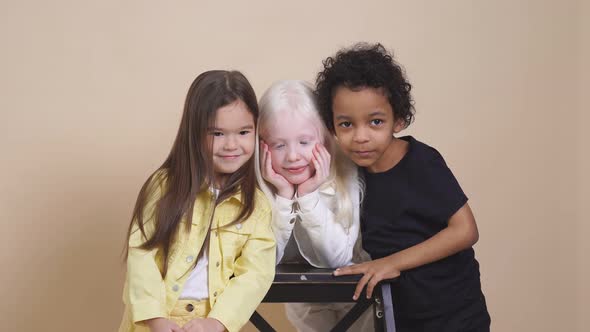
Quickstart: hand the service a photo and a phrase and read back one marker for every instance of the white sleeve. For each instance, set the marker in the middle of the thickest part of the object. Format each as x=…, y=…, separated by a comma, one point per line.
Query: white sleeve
x=282, y=226
x=322, y=240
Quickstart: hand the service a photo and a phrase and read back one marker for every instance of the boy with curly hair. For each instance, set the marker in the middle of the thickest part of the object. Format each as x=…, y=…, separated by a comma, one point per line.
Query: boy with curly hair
x=415, y=221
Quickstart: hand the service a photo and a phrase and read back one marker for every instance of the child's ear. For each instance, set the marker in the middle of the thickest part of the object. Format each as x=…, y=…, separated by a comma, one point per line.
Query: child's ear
x=398, y=126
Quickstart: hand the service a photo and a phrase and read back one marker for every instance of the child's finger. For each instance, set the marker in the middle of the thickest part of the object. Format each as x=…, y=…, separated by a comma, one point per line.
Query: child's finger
x=318, y=167
x=176, y=328
x=347, y=270
x=263, y=167
x=322, y=168
x=320, y=157
x=327, y=157
x=323, y=152
x=262, y=156
x=359, y=287
x=324, y=156
x=371, y=285
x=268, y=164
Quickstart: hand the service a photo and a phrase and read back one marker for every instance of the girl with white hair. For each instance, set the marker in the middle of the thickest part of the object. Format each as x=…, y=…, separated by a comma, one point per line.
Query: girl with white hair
x=315, y=194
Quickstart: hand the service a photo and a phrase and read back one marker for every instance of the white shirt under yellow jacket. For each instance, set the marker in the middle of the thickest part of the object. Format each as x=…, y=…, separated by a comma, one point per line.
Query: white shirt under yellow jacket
x=241, y=263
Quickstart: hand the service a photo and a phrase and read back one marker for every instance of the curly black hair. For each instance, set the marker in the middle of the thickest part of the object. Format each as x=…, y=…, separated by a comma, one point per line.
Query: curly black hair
x=360, y=66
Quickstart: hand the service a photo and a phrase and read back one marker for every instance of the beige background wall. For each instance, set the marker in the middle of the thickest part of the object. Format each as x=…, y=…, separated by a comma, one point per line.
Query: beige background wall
x=583, y=229
x=91, y=94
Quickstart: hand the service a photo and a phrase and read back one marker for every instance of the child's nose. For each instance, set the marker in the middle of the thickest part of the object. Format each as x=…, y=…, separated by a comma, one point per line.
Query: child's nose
x=360, y=135
x=292, y=155
x=230, y=143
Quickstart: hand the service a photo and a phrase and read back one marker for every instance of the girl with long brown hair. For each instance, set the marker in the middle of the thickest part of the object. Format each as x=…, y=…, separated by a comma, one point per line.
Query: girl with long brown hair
x=201, y=253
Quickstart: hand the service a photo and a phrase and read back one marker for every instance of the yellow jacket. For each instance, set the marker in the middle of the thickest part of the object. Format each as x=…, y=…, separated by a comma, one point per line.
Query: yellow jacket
x=241, y=263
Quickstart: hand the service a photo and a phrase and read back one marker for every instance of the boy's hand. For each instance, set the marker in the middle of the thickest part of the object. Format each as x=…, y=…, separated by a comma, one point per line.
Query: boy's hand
x=283, y=187
x=161, y=324
x=373, y=272
x=321, y=163
x=204, y=325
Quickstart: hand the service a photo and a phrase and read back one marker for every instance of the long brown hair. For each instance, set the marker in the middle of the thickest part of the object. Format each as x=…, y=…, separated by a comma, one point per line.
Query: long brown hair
x=189, y=170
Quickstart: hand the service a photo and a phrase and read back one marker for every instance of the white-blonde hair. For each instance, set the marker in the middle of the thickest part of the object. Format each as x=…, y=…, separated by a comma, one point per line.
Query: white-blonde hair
x=296, y=97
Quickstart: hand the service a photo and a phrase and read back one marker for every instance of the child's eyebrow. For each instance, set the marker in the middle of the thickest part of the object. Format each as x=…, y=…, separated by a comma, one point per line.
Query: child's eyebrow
x=273, y=140
x=251, y=127
x=377, y=113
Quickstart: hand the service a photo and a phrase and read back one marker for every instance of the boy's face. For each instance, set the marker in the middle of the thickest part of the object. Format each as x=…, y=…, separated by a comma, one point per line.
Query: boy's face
x=364, y=124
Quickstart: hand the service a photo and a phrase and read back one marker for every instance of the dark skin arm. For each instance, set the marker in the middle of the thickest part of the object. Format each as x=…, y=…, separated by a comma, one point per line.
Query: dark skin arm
x=461, y=233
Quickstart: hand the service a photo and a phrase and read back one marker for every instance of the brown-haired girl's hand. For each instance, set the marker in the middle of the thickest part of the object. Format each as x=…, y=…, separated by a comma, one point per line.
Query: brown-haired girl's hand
x=321, y=162
x=283, y=187
x=204, y=325
x=161, y=324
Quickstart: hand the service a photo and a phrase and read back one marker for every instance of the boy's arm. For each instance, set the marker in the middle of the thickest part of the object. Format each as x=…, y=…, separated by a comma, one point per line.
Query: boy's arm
x=461, y=233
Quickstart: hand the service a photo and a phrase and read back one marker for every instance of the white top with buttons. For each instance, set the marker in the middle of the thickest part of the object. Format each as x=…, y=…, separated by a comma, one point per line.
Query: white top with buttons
x=197, y=284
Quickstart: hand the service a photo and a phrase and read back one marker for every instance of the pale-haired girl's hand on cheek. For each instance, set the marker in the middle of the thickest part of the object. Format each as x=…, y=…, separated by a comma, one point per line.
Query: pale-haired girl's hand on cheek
x=161, y=324
x=283, y=187
x=321, y=162
x=204, y=325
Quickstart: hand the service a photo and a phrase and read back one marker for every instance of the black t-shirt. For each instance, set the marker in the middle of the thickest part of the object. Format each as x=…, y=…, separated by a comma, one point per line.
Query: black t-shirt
x=407, y=205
